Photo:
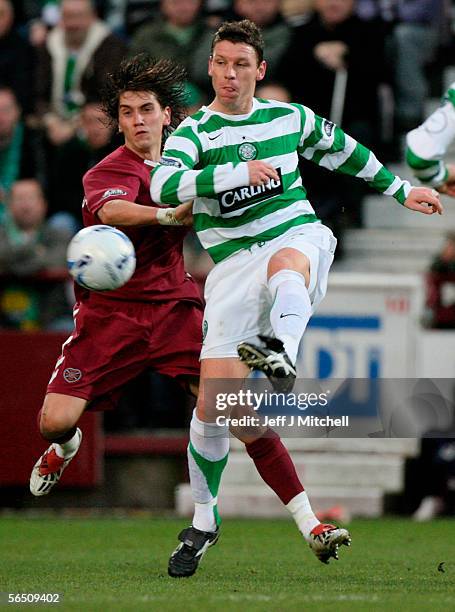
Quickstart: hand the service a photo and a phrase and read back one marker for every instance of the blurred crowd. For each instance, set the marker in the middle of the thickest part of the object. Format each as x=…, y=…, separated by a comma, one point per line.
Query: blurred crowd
x=368, y=65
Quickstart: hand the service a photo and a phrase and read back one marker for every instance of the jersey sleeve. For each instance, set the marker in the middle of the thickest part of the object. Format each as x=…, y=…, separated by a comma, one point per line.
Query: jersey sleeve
x=176, y=178
x=428, y=143
x=102, y=184
x=327, y=145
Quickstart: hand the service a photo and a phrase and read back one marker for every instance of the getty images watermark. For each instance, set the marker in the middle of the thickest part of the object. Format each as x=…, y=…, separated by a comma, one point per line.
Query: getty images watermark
x=347, y=408
x=266, y=400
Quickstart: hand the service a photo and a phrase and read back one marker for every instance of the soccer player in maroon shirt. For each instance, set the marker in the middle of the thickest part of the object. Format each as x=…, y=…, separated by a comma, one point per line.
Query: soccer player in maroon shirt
x=120, y=333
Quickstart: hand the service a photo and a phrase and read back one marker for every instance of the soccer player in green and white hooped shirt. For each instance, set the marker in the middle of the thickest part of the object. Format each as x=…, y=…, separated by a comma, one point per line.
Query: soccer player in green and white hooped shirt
x=272, y=254
x=428, y=143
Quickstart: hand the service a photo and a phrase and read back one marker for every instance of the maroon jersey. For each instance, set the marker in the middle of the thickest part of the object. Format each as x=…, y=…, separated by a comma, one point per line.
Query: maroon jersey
x=160, y=275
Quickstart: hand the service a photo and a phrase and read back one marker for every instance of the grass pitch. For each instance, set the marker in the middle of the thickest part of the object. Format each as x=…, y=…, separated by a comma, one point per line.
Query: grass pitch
x=121, y=564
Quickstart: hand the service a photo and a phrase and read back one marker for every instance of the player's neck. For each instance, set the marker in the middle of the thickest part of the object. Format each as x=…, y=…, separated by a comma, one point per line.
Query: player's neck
x=242, y=107
x=153, y=153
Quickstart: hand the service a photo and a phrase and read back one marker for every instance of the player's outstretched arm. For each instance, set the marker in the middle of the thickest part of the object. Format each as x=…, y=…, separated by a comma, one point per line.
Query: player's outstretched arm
x=424, y=200
x=124, y=213
x=427, y=146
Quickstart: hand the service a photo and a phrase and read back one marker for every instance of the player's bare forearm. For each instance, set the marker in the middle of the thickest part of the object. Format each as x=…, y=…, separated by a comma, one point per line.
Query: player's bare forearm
x=125, y=213
x=424, y=200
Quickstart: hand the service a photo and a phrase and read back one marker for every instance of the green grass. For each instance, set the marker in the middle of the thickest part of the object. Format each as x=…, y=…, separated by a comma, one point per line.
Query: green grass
x=120, y=564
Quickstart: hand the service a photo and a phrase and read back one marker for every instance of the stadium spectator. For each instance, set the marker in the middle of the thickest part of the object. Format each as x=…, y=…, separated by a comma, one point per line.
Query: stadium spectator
x=428, y=143
x=415, y=40
x=120, y=334
x=412, y=28
x=16, y=61
x=272, y=254
x=296, y=12
x=334, y=39
x=30, y=245
x=440, y=306
x=44, y=16
x=71, y=160
x=273, y=91
x=436, y=478
x=125, y=16
x=72, y=66
x=338, y=84
x=175, y=33
x=275, y=31
x=19, y=147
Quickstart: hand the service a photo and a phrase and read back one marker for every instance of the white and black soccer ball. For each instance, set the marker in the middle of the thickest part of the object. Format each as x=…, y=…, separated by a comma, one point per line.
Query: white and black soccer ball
x=101, y=257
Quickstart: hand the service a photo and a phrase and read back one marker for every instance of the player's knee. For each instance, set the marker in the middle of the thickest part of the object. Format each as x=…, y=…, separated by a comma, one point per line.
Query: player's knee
x=289, y=259
x=205, y=412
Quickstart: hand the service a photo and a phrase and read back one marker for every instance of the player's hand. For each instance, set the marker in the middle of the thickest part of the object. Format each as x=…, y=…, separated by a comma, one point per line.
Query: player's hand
x=448, y=188
x=184, y=213
x=331, y=54
x=261, y=173
x=424, y=200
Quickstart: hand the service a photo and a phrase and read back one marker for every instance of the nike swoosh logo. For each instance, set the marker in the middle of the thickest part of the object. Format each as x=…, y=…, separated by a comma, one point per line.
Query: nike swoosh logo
x=288, y=315
x=214, y=137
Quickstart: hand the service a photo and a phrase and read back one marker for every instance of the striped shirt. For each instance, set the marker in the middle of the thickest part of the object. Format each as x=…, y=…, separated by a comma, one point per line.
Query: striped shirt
x=206, y=158
x=428, y=143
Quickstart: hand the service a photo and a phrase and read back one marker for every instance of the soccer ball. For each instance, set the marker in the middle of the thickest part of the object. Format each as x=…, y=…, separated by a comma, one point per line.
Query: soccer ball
x=101, y=257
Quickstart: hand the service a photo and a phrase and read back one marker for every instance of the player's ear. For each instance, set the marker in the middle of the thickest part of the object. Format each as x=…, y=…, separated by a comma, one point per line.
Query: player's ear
x=167, y=115
x=260, y=74
x=210, y=65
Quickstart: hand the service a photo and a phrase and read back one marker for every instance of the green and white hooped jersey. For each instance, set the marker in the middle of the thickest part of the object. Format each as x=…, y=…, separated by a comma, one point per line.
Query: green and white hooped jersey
x=206, y=158
x=428, y=143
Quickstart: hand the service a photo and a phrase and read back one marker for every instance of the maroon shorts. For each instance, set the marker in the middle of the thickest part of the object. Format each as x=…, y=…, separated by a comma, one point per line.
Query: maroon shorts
x=110, y=346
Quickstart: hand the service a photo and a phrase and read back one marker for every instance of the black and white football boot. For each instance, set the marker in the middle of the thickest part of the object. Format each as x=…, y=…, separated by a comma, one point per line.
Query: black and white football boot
x=270, y=359
x=325, y=540
x=193, y=545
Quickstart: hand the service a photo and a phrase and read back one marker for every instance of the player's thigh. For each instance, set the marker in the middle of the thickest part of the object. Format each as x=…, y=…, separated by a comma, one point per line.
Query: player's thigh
x=317, y=243
x=236, y=304
x=175, y=338
x=107, y=349
x=60, y=413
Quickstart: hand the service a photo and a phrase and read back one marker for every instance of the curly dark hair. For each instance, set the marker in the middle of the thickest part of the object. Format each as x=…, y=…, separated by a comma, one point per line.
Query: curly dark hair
x=162, y=77
x=244, y=31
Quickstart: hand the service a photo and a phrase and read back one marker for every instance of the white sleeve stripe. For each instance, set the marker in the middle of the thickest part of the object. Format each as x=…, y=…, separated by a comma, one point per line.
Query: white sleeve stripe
x=395, y=186
x=309, y=124
x=332, y=161
x=176, y=143
x=371, y=168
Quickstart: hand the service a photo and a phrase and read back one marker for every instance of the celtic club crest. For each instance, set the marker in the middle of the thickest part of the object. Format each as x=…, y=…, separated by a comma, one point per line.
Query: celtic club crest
x=247, y=151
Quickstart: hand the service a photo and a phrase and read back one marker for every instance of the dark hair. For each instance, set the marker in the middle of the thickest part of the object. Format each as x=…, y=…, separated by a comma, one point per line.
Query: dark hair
x=244, y=31
x=163, y=78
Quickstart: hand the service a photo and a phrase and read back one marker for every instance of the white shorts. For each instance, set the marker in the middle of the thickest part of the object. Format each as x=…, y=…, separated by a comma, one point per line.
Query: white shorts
x=238, y=300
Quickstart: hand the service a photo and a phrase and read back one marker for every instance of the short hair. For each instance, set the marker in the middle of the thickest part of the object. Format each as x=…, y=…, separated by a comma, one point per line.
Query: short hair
x=244, y=31
x=163, y=78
